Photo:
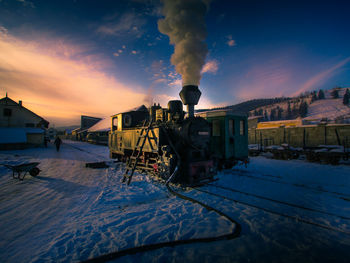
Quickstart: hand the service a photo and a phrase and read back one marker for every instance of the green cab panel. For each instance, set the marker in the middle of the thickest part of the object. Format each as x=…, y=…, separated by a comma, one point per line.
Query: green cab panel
x=229, y=134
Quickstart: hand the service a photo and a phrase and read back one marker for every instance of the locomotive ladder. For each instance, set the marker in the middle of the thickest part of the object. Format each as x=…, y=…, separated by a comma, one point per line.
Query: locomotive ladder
x=134, y=159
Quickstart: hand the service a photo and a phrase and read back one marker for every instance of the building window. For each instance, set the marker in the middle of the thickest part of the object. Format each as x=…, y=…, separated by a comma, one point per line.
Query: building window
x=127, y=120
x=115, y=123
x=241, y=127
x=216, y=128
x=231, y=127
x=7, y=112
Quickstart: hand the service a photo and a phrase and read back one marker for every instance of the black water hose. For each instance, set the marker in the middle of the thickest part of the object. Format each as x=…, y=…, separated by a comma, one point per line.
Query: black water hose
x=143, y=248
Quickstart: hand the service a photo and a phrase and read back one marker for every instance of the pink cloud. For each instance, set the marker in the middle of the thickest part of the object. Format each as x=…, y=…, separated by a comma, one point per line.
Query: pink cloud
x=270, y=80
x=211, y=66
x=60, y=84
x=176, y=83
x=318, y=78
x=231, y=42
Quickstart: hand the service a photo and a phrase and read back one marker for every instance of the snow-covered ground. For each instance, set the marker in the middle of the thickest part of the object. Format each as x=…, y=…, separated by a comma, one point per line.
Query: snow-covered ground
x=289, y=211
x=327, y=109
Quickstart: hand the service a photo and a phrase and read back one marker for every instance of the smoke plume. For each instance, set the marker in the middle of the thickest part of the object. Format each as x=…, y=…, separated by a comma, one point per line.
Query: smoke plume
x=184, y=23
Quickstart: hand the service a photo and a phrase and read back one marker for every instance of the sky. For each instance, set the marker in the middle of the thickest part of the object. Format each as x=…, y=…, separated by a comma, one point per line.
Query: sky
x=69, y=58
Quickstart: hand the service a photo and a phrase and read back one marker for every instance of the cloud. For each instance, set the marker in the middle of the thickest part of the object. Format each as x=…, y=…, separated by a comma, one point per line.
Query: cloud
x=26, y=3
x=116, y=54
x=61, y=87
x=127, y=23
x=176, y=83
x=163, y=99
x=3, y=31
x=157, y=69
x=205, y=103
x=160, y=81
x=211, y=66
x=322, y=76
x=231, y=42
x=266, y=80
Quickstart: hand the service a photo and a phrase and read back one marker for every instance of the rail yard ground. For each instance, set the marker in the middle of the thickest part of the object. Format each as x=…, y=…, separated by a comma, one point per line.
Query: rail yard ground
x=289, y=211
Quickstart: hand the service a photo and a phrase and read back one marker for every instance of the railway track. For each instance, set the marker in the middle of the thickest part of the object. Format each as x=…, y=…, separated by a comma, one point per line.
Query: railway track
x=82, y=150
x=342, y=196
x=279, y=202
x=296, y=218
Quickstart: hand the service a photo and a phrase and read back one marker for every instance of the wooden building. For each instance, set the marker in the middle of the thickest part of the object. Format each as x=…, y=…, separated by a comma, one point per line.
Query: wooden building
x=19, y=126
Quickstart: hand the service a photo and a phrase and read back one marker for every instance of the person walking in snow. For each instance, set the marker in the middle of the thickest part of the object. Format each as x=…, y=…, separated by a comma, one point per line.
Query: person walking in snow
x=45, y=141
x=58, y=143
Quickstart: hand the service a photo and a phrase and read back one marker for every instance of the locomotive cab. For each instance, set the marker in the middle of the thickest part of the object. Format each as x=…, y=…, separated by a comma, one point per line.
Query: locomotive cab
x=125, y=127
x=229, y=140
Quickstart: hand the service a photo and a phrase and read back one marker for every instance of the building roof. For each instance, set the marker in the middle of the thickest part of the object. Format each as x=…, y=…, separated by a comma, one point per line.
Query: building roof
x=74, y=130
x=220, y=112
x=90, y=117
x=102, y=126
x=140, y=108
x=255, y=117
x=7, y=99
x=285, y=123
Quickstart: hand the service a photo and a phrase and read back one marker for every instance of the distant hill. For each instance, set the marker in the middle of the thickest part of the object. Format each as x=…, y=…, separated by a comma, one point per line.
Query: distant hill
x=63, y=128
x=329, y=108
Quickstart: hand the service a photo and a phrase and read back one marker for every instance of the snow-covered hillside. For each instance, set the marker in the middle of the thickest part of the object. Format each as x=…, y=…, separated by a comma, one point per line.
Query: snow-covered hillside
x=329, y=109
x=289, y=211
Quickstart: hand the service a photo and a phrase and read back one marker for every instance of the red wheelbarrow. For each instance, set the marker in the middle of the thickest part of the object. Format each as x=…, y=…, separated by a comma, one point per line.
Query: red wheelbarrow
x=23, y=169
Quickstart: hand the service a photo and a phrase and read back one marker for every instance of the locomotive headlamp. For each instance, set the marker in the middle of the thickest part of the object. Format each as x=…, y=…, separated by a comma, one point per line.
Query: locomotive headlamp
x=190, y=95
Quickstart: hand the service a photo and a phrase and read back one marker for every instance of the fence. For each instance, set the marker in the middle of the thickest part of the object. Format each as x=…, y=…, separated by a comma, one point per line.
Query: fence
x=302, y=136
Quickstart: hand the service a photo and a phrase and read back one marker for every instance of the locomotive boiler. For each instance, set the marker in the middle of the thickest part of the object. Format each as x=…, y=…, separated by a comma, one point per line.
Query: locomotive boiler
x=173, y=147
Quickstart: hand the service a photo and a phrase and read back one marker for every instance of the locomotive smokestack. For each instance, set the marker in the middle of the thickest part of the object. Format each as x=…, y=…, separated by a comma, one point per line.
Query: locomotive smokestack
x=190, y=95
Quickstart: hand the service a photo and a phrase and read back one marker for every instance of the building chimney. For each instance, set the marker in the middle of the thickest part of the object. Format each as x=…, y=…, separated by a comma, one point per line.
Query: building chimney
x=190, y=95
x=20, y=103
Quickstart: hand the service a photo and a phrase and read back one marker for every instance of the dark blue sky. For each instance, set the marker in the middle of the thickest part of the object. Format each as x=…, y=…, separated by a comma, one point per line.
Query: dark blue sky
x=256, y=48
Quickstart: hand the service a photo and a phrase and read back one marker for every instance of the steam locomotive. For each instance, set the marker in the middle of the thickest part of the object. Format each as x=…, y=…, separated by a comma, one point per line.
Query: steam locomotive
x=183, y=150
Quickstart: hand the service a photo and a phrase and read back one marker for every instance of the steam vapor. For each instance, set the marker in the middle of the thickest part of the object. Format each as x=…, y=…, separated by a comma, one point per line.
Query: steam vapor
x=184, y=23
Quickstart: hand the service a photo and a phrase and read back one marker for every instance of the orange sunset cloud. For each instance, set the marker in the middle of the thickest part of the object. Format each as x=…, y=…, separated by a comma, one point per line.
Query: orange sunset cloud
x=51, y=81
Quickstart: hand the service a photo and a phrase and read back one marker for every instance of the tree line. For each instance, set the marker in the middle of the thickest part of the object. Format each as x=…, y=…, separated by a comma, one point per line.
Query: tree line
x=300, y=106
